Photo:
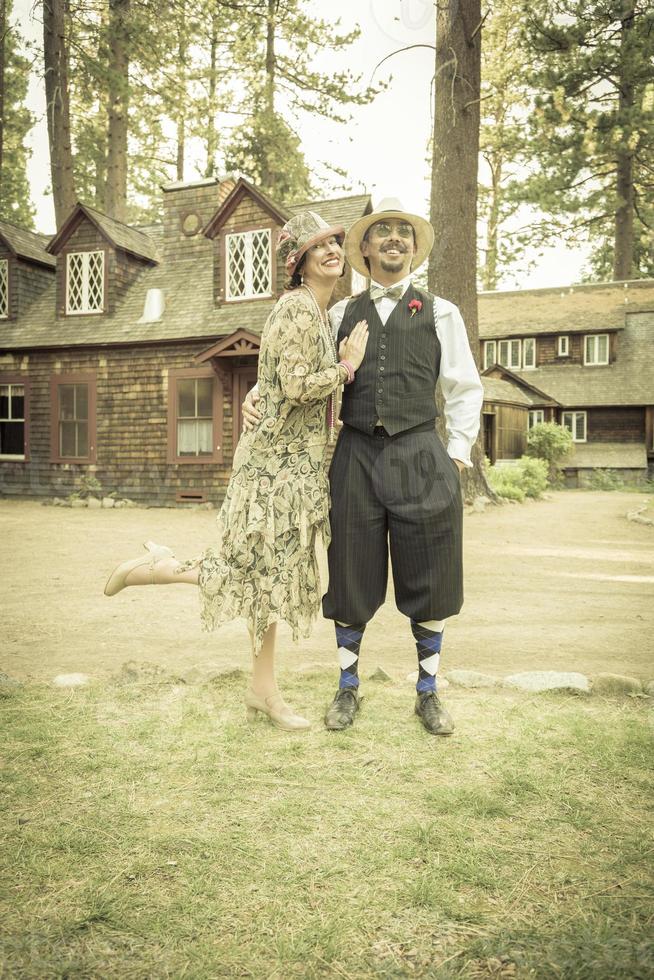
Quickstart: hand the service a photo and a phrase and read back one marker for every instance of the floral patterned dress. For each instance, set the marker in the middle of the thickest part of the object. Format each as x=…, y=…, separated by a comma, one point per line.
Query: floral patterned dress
x=265, y=566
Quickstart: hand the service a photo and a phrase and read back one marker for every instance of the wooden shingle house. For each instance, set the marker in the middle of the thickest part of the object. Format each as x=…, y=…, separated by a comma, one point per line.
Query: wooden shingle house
x=125, y=353
x=582, y=356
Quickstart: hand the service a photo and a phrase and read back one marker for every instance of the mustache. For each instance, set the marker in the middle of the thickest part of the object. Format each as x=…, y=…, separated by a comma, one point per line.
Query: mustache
x=397, y=246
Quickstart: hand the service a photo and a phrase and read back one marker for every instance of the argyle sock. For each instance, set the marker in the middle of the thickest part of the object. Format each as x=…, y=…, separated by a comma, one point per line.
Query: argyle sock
x=428, y=637
x=348, y=639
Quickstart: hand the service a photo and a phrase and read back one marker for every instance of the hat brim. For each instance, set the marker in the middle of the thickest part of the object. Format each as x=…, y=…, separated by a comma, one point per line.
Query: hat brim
x=423, y=231
x=293, y=260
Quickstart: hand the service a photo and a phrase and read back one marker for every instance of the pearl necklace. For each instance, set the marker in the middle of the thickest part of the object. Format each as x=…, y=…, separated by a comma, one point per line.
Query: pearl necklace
x=331, y=347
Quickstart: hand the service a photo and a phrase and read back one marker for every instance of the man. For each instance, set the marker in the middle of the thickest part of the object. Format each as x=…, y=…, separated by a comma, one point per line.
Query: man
x=392, y=482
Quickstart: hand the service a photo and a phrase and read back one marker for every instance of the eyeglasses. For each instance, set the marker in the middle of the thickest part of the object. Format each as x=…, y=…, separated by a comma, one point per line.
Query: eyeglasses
x=384, y=228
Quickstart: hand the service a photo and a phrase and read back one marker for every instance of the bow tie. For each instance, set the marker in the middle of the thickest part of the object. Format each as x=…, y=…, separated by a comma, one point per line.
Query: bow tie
x=393, y=292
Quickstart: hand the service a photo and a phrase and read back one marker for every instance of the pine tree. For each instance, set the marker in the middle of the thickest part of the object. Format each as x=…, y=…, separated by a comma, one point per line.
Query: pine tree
x=592, y=130
x=15, y=123
x=56, y=67
x=282, y=83
x=505, y=98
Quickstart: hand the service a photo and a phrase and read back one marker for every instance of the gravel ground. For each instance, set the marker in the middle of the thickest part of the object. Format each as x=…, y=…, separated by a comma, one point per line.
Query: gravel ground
x=565, y=583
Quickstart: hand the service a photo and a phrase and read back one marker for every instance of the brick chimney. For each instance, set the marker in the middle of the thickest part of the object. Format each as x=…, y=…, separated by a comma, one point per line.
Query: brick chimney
x=187, y=209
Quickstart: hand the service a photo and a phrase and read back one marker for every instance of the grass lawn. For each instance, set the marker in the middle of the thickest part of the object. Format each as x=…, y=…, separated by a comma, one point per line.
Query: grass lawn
x=148, y=831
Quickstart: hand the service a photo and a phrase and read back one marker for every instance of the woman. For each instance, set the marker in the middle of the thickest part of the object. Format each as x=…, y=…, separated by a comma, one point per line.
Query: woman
x=277, y=502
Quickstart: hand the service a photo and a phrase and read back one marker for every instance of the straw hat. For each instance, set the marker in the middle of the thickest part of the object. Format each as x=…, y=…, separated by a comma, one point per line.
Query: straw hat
x=301, y=232
x=390, y=207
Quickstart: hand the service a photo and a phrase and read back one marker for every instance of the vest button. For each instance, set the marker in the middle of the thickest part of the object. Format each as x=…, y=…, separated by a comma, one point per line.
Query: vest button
x=380, y=390
x=381, y=368
x=382, y=357
x=383, y=346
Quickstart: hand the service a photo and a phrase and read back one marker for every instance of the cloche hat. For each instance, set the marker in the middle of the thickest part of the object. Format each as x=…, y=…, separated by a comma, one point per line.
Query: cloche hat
x=390, y=207
x=301, y=232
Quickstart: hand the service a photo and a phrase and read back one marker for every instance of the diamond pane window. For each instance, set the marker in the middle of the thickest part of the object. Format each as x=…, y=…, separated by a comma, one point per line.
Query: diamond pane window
x=249, y=265
x=194, y=417
x=85, y=282
x=12, y=420
x=4, y=288
x=73, y=420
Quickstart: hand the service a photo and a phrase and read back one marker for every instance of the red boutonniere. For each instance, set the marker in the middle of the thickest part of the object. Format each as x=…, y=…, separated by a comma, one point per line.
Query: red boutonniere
x=415, y=306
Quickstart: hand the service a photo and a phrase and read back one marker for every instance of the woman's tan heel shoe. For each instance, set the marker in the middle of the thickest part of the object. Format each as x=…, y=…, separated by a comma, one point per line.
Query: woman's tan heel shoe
x=279, y=713
x=117, y=581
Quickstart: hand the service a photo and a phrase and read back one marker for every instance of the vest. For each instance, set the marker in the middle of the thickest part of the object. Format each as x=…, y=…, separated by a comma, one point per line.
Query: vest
x=396, y=381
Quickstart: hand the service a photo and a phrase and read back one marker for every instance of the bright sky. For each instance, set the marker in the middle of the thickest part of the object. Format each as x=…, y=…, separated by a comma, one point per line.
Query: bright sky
x=383, y=150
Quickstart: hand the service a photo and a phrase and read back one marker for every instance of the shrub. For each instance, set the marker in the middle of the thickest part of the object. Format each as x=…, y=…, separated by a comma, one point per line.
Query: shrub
x=527, y=478
x=550, y=442
x=89, y=486
x=605, y=480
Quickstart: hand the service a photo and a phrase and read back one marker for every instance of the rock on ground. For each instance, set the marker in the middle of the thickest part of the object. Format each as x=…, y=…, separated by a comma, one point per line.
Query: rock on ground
x=473, y=678
x=71, y=680
x=616, y=684
x=549, y=680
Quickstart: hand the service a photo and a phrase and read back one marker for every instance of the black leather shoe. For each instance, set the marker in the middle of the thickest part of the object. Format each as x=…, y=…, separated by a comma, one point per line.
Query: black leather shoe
x=433, y=715
x=341, y=712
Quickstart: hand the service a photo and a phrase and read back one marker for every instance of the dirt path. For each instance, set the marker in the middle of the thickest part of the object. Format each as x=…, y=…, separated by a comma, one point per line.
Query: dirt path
x=564, y=583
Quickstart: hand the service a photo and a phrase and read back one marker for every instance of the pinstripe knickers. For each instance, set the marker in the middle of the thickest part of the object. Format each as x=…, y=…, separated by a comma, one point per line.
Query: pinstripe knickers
x=403, y=491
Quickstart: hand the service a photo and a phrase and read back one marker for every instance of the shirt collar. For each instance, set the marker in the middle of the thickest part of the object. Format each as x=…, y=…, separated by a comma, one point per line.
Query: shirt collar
x=404, y=283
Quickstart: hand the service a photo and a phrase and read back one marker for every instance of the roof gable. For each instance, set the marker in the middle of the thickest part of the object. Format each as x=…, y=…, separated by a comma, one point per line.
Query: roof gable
x=26, y=244
x=235, y=345
x=117, y=233
x=494, y=369
x=339, y=211
x=243, y=188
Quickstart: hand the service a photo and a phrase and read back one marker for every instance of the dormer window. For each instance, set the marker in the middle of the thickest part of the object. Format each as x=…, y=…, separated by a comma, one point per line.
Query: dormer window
x=249, y=264
x=596, y=348
x=4, y=288
x=85, y=282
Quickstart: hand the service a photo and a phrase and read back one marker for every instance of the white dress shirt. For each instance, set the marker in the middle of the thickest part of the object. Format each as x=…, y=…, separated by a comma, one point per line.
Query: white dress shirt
x=459, y=378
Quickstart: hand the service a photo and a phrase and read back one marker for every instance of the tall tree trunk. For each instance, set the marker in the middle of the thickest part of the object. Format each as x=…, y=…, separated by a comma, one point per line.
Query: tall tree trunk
x=269, y=89
x=3, y=55
x=212, y=135
x=182, y=95
x=624, y=215
x=116, y=189
x=453, y=262
x=489, y=273
x=55, y=57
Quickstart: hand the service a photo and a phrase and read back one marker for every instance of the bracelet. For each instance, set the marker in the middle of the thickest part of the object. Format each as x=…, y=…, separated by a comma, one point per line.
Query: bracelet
x=350, y=371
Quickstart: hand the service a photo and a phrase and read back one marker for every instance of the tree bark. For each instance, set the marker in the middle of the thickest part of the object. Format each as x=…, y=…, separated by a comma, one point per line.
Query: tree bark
x=269, y=85
x=116, y=190
x=452, y=269
x=489, y=273
x=181, y=94
x=212, y=135
x=623, y=250
x=3, y=56
x=55, y=57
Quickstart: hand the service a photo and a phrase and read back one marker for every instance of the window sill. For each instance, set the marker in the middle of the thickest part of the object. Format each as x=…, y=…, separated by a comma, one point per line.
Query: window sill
x=84, y=312
x=247, y=299
x=8, y=458
x=195, y=461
